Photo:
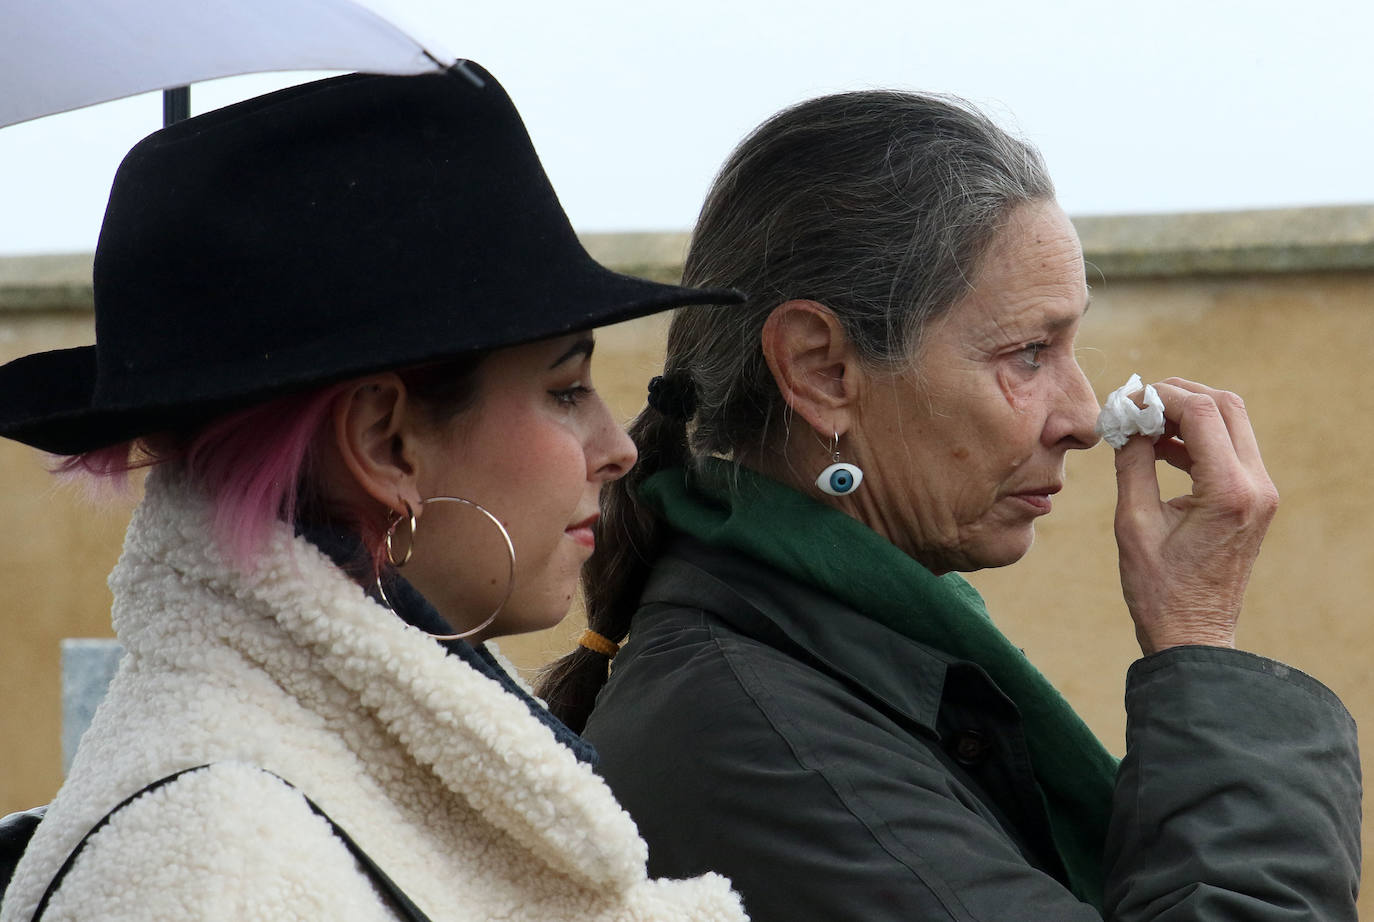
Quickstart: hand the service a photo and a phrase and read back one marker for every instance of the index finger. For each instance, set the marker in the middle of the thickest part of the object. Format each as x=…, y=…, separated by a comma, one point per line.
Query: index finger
x=1233, y=411
x=1204, y=432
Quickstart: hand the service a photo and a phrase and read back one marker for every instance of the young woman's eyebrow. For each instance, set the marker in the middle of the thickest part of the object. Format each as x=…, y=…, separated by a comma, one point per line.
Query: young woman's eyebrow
x=581, y=347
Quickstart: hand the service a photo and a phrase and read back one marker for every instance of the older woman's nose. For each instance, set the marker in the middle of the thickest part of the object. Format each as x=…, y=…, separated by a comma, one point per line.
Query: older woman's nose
x=1079, y=411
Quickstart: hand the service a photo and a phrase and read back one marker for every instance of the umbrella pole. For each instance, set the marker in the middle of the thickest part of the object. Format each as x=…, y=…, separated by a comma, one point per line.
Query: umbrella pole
x=176, y=105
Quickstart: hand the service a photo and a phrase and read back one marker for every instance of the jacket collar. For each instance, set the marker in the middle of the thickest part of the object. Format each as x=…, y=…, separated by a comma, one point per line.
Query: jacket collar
x=898, y=673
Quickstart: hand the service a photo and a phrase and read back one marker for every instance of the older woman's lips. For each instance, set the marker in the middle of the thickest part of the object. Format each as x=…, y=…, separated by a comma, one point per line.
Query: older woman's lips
x=582, y=532
x=1038, y=501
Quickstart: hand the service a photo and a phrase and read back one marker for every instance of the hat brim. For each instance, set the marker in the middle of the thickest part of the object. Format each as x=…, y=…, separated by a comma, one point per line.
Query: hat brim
x=49, y=400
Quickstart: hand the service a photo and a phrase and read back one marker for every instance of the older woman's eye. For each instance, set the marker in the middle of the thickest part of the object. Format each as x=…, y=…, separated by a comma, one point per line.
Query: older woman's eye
x=1030, y=353
x=571, y=396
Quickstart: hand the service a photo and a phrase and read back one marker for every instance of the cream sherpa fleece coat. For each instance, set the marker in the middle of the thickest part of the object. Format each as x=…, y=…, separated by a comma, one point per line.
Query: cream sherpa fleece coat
x=447, y=781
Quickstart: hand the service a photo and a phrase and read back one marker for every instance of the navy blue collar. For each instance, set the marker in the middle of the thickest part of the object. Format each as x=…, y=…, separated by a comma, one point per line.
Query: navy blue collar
x=344, y=548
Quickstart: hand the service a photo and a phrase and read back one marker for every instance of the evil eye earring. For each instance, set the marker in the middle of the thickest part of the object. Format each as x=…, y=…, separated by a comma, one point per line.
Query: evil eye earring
x=840, y=478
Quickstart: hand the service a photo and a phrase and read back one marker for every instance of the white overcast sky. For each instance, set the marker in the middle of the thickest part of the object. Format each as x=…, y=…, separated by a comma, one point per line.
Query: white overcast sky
x=1170, y=105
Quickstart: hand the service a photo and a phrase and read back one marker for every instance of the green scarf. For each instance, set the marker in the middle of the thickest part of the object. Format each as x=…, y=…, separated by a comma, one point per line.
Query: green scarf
x=744, y=511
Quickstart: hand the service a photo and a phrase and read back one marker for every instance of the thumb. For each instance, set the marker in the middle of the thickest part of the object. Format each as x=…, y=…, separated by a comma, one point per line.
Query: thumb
x=1137, y=483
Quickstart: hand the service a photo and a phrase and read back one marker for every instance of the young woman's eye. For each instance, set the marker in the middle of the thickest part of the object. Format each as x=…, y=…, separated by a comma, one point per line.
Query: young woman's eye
x=571, y=396
x=1030, y=353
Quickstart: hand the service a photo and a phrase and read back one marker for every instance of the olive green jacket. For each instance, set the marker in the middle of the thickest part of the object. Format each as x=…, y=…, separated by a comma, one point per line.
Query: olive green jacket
x=834, y=769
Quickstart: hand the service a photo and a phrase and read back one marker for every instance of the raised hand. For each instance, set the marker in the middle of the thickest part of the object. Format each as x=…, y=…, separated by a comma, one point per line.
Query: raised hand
x=1185, y=562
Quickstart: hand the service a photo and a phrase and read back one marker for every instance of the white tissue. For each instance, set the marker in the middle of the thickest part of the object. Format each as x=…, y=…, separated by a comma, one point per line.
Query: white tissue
x=1121, y=418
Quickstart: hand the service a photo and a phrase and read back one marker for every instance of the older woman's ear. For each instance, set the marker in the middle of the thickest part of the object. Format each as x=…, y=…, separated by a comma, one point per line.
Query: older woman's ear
x=375, y=445
x=813, y=363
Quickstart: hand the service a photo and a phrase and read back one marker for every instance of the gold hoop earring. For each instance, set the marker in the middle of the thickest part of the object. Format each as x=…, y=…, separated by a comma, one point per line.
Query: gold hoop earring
x=505, y=535
x=391, y=530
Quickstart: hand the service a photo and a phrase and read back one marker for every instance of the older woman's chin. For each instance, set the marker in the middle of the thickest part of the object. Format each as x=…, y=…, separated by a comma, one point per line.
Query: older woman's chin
x=1012, y=552
x=979, y=552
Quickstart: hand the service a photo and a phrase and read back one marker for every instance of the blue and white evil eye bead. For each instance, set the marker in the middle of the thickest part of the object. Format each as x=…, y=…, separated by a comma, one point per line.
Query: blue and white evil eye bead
x=840, y=479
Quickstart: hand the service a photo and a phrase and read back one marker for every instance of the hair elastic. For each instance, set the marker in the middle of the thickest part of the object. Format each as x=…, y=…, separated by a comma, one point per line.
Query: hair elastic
x=598, y=644
x=674, y=395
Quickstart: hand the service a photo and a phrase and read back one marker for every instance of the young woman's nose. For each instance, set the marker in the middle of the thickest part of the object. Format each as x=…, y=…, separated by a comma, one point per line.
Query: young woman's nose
x=612, y=452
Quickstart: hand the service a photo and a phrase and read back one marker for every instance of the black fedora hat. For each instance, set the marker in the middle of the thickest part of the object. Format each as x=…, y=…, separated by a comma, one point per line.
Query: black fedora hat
x=325, y=231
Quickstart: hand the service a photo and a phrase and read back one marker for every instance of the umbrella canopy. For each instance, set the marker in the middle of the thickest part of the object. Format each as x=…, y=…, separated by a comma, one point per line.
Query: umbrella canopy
x=57, y=55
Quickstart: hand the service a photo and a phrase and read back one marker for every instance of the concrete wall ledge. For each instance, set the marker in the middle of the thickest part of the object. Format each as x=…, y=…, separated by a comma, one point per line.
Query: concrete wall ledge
x=1281, y=240
x=1318, y=239
x=656, y=255
x=46, y=282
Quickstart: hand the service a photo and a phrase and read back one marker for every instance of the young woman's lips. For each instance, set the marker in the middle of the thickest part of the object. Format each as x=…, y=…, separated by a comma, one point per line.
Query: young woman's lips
x=582, y=531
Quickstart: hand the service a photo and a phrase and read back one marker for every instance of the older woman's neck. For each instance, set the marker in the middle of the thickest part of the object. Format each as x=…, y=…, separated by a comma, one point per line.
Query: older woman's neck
x=799, y=473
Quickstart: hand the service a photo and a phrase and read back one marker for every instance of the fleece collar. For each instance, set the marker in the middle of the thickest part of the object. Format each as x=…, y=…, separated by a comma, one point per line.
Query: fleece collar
x=297, y=614
x=346, y=551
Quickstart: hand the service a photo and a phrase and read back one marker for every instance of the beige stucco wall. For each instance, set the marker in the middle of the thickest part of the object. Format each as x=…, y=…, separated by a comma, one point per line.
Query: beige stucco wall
x=1278, y=306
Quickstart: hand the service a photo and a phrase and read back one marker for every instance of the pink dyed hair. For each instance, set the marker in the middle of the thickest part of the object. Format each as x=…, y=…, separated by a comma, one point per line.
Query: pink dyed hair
x=251, y=463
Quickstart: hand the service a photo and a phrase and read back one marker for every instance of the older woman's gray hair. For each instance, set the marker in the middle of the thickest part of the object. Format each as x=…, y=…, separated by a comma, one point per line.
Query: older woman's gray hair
x=878, y=204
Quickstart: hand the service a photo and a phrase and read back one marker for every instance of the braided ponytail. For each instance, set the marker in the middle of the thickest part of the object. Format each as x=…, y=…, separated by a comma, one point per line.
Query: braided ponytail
x=613, y=581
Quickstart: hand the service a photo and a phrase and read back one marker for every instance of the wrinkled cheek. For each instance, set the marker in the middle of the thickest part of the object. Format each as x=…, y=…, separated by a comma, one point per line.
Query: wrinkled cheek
x=1015, y=390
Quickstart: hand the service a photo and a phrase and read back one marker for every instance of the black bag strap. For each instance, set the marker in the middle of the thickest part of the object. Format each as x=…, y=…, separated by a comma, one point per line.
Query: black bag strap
x=394, y=894
x=15, y=832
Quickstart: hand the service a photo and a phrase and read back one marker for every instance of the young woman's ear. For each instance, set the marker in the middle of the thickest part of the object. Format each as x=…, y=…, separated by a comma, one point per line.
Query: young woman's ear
x=374, y=440
x=813, y=363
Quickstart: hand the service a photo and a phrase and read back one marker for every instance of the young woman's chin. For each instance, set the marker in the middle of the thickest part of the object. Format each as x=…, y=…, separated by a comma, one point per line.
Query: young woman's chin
x=538, y=608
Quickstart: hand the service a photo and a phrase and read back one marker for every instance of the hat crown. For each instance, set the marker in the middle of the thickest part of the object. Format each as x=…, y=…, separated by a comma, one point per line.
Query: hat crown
x=342, y=215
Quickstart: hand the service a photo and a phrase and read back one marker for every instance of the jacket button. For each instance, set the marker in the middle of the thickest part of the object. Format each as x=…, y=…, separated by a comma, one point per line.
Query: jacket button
x=971, y=747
